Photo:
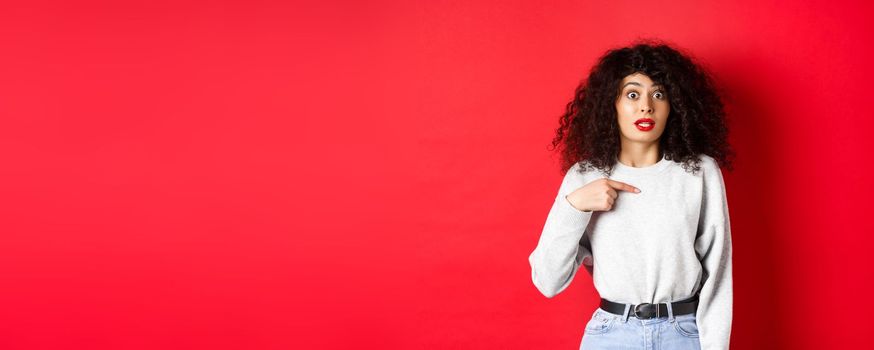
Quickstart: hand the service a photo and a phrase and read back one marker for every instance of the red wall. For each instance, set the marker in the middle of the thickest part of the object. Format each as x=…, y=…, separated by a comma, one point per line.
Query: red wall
x=268, y=175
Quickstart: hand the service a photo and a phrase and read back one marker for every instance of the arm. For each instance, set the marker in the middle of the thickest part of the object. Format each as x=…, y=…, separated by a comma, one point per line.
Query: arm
x=713, y=247
x=559, y=252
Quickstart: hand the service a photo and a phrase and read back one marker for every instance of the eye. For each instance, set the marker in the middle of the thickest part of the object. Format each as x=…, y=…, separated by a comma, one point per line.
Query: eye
x=632, y=93
x=659, y=95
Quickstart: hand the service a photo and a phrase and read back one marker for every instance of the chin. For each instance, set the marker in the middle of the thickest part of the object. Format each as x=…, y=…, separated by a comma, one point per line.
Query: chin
x=644, y=138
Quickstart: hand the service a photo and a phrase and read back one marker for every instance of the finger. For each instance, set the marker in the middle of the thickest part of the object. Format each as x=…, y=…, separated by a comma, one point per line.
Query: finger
x=612, y=193
x=611, y=201
x=622, y=186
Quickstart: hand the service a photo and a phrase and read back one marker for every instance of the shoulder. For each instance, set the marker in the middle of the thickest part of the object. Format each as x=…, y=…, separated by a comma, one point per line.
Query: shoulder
x=580, y=173
x=582, y=169
x=711, y=171
x=576, y=171
x=709, y=165
x=708, y=161
x=577, y=168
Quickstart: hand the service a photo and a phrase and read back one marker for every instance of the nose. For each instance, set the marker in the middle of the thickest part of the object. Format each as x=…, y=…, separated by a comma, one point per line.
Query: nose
x=645, y=107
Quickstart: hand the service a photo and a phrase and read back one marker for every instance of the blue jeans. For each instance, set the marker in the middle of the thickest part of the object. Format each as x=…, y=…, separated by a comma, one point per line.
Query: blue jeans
x=610, y=331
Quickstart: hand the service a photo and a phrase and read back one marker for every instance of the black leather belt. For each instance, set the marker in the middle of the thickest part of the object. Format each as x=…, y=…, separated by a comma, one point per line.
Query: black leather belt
x=647, y=311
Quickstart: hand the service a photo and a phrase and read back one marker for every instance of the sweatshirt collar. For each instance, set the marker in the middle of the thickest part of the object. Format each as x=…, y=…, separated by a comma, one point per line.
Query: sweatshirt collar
x=658, y=167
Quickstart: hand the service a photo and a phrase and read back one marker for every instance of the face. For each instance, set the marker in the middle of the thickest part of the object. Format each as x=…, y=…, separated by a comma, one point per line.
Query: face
x=642, y=109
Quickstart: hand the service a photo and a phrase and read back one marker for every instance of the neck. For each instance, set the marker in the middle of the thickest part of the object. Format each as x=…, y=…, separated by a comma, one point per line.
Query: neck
x=640, y=155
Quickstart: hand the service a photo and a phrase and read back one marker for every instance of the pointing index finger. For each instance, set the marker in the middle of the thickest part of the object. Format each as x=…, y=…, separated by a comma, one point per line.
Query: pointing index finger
x=622, y=186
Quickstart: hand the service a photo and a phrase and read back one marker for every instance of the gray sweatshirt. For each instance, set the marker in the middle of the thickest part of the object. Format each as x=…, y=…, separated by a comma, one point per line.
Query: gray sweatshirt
x=665, y=243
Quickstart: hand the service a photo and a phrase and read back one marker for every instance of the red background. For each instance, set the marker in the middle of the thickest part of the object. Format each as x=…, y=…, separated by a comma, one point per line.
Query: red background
x=271, y=175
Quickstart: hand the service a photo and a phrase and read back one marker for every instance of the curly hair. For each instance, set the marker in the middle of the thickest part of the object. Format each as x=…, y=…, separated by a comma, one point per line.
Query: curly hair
x=589, y=132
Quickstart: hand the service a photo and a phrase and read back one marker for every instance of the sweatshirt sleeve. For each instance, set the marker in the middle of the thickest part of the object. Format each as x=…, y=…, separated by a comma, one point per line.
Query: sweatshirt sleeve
x=561, y=247
x=713, y=248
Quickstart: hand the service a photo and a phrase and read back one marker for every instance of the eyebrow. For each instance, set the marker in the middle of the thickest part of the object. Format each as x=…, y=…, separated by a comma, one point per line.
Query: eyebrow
x=638, y=84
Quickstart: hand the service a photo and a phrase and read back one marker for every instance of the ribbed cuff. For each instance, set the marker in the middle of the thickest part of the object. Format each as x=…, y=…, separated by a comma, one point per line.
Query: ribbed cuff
x=570, y=216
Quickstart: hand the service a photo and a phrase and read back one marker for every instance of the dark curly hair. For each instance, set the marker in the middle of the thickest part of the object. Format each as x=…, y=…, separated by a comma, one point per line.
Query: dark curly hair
x=589, y=132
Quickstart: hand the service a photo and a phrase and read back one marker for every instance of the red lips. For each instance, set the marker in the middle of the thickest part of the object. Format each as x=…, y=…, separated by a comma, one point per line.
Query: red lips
x=644, y=120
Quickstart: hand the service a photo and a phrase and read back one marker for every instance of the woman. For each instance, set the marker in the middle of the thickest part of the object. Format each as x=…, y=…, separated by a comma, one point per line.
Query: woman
x=642, y=205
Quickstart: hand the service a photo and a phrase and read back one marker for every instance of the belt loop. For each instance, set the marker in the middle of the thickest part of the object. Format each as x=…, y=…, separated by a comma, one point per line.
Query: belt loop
x=670, y=312
x=625, y=313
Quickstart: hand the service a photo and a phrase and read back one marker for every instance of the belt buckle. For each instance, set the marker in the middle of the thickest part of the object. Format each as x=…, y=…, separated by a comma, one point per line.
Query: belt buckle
x=639, y=307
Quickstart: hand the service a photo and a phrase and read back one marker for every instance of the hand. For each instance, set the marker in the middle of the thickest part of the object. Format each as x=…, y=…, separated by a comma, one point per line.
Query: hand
x=598, y=195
